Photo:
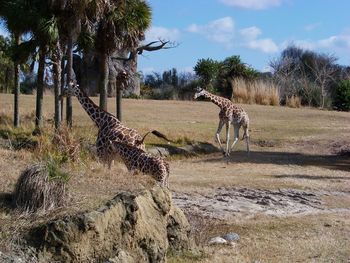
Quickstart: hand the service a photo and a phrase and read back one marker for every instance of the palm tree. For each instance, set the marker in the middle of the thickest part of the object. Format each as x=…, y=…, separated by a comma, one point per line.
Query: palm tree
x=122, y=28
x=10, y=11
x=134, y=17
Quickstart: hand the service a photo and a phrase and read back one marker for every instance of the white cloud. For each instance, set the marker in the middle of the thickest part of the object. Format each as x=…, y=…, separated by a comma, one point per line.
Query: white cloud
x=156, y=32
x=266, y=45
x=311, y=27
x=251, y=40
x=253, y=4
x=339, y=42
x=220, y=30
x=250, y=32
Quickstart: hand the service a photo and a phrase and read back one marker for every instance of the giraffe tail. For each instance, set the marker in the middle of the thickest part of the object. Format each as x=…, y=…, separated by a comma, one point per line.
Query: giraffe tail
x=156, y=133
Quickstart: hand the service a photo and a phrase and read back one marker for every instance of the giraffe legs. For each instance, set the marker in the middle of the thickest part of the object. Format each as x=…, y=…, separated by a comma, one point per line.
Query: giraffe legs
x=217, y=135
x=235, y=135
x=247, y=138
x=227, y=152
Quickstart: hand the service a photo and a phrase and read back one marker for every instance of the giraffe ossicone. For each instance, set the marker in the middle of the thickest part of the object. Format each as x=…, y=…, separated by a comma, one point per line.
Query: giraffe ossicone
x=230, y=114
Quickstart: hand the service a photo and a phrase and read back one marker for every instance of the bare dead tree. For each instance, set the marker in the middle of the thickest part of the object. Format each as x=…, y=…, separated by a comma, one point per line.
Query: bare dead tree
x=306, y=86
x=152, y=46
x=128, y=68
x=323, y=70
x=284, y=76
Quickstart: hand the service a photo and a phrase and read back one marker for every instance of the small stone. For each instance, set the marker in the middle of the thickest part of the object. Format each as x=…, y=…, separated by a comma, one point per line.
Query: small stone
x=217, y=241
x=232, y=244
x=231, y=237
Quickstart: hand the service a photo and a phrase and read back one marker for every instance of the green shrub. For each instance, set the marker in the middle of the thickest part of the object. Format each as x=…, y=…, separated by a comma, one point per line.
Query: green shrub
x=342, y=96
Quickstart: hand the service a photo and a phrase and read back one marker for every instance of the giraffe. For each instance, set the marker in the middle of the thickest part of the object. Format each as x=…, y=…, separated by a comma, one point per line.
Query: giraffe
x=109, y=127
x=229, y=114
x=137, y=159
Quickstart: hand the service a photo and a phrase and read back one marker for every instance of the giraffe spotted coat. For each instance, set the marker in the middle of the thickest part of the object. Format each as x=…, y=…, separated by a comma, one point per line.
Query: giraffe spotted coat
x=229, y=114
x=137, y=159
x=109, y=127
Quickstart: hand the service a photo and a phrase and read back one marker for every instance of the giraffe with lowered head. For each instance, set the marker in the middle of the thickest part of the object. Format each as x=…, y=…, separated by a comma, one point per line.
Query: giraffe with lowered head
x=109, y=127
x=137, y=159
x=229, y=114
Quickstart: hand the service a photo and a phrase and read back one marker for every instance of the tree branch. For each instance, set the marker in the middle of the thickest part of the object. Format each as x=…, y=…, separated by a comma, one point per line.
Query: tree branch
x=148, y=47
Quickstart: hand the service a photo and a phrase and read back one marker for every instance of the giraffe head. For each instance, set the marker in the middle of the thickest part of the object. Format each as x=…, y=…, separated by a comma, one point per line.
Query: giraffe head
x=71, y=90
x=199, y=92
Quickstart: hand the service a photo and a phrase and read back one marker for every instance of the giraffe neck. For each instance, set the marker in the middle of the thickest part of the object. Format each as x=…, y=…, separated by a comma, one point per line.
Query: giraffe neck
x=217, y=100
x=98, y=115
x=126, y=152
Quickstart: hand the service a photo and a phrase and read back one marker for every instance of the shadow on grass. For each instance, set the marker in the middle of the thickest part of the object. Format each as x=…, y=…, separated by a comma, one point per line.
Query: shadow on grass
x=335, y=162
x=187, y=150
x=6, y=201
x=311, y=177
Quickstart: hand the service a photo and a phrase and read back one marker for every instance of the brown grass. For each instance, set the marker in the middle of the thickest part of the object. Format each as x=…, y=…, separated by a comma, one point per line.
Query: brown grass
x=291, y=148
x=293, y=102
x=40, y=188
x=255, y=92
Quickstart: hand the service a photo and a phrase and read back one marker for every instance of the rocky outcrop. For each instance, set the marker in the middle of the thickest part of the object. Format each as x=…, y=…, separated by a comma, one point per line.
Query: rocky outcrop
x=132, y=227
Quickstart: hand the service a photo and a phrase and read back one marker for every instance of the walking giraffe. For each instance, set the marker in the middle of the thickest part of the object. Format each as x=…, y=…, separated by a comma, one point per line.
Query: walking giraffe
x=229, y=114
x=109, y=127
x=137, y=159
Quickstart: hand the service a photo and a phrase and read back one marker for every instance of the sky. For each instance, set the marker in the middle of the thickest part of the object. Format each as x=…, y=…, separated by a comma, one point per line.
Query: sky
x=256, y=30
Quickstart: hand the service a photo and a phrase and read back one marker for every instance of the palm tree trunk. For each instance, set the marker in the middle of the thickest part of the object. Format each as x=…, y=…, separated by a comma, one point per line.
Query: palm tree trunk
x=118, y=97
x=103, y=80
x=69, y=109
x=57, y=83
x=62, y=87
x=16, y=87
x=40, y=90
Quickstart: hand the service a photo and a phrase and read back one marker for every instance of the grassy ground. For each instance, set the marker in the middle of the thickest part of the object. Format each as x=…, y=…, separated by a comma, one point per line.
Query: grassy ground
x=291, y=149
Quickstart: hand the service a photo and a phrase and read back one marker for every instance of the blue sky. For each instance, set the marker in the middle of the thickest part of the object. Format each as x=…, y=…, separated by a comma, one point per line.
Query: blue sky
x=256, y=30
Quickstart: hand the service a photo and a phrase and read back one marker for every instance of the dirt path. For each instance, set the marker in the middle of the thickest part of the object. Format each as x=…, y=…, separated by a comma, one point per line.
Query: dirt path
x=228, y=203
x=277, y=183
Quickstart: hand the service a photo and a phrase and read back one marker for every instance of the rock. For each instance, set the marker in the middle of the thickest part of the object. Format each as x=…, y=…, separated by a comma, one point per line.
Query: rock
x=121, y=257
x=231, y=237
x=131, y=227
x=217, y=241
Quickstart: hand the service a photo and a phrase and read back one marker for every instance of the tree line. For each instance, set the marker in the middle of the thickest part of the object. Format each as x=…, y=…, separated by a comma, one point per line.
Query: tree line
x=313, y=77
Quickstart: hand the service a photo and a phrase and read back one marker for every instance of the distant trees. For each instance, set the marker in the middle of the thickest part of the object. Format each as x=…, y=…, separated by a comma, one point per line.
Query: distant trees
x=168, y=85
x=309, y=75
x=342, y=96
x=6, y=65
x=207, y=70
x=221, y=73
x=311, y=78
x=233, y=68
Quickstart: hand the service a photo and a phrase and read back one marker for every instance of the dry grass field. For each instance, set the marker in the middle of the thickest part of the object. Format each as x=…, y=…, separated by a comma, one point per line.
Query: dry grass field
x=289, y=200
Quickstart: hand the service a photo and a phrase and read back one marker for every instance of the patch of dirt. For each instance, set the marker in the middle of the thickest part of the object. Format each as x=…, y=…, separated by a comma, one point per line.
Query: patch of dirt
x=227, y=203
x=267, y=143
x=340, y=148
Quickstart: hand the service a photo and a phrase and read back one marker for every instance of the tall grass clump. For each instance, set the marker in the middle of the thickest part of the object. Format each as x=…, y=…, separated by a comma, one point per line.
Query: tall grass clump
x=61, y=145
x=40, y=187
x=255, y=92
x=293, y=102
